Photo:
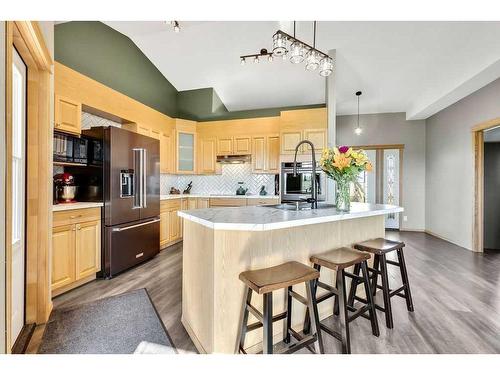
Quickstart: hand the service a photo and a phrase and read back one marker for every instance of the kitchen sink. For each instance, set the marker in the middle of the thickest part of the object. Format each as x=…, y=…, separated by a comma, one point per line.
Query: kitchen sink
x=299, y=206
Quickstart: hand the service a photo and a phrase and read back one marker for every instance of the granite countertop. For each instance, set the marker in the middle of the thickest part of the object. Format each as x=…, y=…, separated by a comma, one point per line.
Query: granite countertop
x=75, y=206
x=262, y=218
x=254, y=196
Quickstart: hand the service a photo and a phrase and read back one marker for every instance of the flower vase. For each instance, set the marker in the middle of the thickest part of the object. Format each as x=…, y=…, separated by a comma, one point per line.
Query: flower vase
x=342, y=195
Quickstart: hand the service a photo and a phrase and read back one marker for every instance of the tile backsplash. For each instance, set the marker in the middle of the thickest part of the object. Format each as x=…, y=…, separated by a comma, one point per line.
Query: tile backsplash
x=225, y=183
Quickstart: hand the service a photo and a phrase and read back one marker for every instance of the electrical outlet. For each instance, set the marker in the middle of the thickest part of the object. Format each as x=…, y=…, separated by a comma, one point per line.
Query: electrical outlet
x=405, y=218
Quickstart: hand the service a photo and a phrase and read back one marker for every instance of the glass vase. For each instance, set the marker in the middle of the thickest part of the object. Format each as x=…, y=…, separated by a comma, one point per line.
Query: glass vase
x=342, y=194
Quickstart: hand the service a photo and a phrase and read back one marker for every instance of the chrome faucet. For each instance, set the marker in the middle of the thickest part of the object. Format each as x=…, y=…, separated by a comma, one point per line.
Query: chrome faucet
x=314, y=192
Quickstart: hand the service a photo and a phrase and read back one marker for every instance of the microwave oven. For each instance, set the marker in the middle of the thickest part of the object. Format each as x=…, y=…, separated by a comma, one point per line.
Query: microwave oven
x=299, y=187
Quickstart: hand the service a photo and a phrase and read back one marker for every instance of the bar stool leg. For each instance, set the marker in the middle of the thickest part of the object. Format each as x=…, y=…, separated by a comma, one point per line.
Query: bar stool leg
x=385, y=291
x=307, y=320
x=336, y=300
x=354, y=285
x=267, y=342
x=244, y=321
x=312, y=307
x=344, y=324
x=287, y=324
x=404, y=277
x=376, y=262
x=369, y=298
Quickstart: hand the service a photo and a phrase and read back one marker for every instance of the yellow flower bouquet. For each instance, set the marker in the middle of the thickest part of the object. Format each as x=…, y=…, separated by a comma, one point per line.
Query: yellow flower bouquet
x=344, y=164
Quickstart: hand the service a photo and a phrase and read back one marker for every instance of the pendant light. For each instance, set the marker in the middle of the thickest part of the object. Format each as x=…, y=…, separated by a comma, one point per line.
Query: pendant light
x=296, y=50
x=358, y=129
x=312, y=59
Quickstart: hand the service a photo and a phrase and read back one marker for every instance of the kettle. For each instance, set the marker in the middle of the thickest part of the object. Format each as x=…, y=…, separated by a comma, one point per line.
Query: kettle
x=241, y=190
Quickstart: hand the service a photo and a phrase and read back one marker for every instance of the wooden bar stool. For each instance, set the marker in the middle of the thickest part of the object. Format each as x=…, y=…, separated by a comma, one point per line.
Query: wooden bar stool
x=380, y=247
x=267, y=280
x=338, y=260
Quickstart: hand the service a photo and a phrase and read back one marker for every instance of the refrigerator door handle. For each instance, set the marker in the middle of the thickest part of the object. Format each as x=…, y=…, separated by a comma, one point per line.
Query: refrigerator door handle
x=135, y=225
x=138, y=195
x=144, y=178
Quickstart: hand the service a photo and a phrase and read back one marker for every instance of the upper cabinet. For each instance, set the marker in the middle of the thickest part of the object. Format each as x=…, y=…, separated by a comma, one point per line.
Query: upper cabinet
x=266, y=154
x=207, y=155
x=237, y=145
x=299, y=125
x=185, y=141
x=67, y=115
x=166, y=153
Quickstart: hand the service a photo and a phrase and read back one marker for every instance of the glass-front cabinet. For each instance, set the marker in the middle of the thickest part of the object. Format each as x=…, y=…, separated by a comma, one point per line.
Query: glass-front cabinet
x=185, y=152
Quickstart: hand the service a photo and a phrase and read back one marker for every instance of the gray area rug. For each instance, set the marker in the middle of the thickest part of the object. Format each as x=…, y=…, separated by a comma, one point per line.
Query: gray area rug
x=113, y=325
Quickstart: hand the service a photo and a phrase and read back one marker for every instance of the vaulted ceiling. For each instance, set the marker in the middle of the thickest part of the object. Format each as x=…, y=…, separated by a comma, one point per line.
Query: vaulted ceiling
x=413, y=67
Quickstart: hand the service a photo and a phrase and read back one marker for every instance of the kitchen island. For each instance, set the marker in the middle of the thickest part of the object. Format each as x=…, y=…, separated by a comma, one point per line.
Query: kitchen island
x=219, y=243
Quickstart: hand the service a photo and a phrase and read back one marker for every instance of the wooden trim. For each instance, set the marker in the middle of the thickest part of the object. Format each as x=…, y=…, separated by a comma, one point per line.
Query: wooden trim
x=380, y=147
x=8, y=187
x=478, y=198
x=26, y=37
x=401, y=186
x=478, y=220
x=486, y=125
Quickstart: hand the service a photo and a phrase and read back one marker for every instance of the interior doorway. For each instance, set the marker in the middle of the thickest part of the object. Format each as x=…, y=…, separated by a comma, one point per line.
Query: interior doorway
x=18, y=195
x=384, y=183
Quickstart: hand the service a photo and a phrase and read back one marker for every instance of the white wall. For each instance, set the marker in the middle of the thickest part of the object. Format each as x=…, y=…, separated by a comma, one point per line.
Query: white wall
x=2, y=187
x=450, y=164
x=393, y=128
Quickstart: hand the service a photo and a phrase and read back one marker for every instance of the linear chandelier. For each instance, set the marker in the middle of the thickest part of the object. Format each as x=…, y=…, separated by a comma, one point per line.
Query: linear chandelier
x=285, y=45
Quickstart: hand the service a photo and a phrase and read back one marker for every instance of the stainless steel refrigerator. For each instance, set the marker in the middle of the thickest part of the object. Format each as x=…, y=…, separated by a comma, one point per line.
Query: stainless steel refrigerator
x=131, y=187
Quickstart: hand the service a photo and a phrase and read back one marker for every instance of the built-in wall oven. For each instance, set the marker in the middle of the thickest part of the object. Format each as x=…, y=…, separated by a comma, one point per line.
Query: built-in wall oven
x=299, y=187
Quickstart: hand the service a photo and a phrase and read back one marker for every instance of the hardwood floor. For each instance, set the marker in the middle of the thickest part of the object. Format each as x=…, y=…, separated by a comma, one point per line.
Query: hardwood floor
x=456, y=294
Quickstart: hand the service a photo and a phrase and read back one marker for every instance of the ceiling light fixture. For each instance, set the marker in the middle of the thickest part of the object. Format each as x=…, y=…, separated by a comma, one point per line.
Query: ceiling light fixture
x=358, y=129
x=256, y=57
x=285, y=44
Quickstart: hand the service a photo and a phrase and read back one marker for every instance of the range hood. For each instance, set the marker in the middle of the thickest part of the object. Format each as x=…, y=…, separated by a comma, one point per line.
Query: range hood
x=233, y=159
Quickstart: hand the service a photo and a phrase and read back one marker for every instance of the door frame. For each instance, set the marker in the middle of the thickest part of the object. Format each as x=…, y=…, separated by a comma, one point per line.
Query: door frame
x=478, y=198
x=379, y=165
x=26, y=37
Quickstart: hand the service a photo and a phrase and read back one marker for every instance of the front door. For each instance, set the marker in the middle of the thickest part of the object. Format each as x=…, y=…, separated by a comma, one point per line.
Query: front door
x=18, y=194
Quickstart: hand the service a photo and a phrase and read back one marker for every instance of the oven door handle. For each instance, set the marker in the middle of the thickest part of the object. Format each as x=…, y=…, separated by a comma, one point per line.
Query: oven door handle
x=135, y=225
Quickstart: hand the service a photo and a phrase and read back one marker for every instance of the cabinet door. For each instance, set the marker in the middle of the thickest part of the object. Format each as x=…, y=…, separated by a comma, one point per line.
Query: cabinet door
x=192, y=204
x=144, y=130
x=207, y=156
x=67, y=115
x=175, y=226
x=88, y=249
x=166, y=154
x=273, y=154
x=242, y=146
x=259, y=154
x=317, y=137
x=63, y=256
x=185, y=152
x=202, y=203
x=184, y=206
x=224, y=146
x=164, y=228
x=290, y=139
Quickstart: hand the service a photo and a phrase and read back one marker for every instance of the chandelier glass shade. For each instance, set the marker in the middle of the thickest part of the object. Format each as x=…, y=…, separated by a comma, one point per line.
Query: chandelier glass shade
x=279, y=44
x=312, y=60
x=325, y=66
x=296, y=52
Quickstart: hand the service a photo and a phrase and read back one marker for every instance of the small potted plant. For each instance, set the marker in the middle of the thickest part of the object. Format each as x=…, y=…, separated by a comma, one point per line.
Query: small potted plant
x=344, y=164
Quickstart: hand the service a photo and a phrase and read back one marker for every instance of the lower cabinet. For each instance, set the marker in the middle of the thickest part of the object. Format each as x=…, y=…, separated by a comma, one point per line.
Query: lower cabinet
x=170, y=223
x=76, y=248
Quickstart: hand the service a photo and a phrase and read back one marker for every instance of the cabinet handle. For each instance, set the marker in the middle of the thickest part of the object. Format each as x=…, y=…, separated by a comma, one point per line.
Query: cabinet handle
x=75, y=216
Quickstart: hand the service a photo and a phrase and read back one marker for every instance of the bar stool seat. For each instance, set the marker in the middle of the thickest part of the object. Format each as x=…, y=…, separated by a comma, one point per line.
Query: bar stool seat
x=339, y=259
x=278, y=277
x=379, y=246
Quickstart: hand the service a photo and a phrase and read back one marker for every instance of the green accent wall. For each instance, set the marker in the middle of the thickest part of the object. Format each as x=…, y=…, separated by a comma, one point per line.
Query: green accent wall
x=254, y=113
x=102, y=53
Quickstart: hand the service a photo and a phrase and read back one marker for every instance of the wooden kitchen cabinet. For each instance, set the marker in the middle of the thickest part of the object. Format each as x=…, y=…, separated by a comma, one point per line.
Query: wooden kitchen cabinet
x=242, y=145
x=76, y=248
x=318, y=137
x=266, y=154
x=289, y=140
x=227, y=202
x=207, y=156
x=225, y=146
x=166, y=153
x=67, y=115
x=203, y=203
x=170, y=223
x=304, y=124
